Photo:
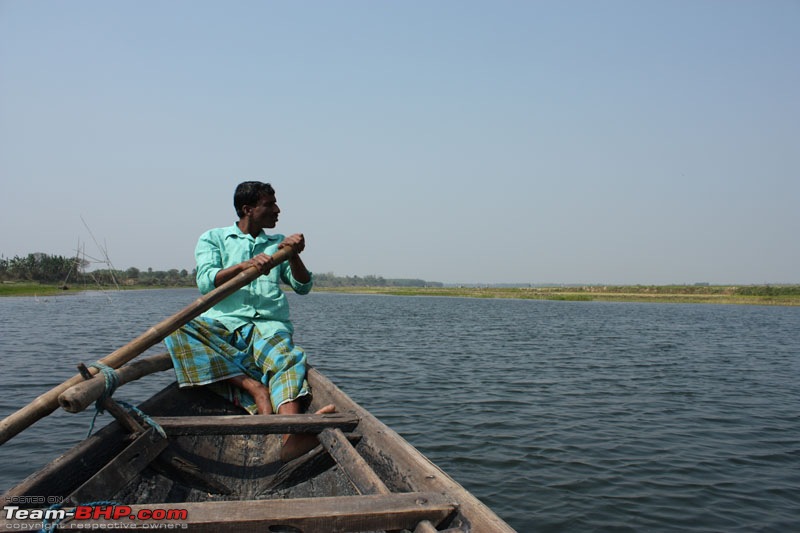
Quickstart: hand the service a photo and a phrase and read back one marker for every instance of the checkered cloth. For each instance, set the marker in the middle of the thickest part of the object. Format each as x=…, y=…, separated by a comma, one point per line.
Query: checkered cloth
x=204, y=352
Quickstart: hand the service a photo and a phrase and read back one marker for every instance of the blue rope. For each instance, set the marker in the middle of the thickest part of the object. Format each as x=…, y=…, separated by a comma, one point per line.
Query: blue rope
x=111, y=378
x=112, y=382
x=48, y=527
x=145, y=418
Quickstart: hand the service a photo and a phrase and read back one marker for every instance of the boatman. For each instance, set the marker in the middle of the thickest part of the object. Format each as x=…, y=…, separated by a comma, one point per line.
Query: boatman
x=242, y=347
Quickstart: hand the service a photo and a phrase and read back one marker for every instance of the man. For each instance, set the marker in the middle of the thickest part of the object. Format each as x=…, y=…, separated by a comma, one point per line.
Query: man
x=242, y=347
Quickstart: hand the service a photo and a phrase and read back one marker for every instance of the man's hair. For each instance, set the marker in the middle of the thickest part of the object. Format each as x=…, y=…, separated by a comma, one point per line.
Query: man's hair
x=248, y=193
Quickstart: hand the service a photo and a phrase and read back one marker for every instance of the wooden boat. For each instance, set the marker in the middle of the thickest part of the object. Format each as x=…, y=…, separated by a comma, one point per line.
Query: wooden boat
x=222, y=468
x=215, y=469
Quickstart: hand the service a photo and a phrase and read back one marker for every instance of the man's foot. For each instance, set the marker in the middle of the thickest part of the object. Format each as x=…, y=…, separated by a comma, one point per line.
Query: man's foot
x=257, y=390
x=330, y=408
x=297, y=444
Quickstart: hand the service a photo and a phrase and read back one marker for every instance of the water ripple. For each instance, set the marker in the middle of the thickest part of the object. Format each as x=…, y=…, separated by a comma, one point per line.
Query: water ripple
x=561, y=416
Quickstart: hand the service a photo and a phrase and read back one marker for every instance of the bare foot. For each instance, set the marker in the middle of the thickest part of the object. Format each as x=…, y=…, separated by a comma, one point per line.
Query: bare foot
x=295, y=445
x=257, y=390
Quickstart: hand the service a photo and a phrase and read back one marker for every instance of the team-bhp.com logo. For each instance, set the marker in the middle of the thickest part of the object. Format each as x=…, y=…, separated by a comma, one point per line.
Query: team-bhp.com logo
x=87, y=517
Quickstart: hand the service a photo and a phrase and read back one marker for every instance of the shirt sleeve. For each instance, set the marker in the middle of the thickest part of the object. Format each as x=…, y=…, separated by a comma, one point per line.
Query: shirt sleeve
x=299, y=288
x=208, y=256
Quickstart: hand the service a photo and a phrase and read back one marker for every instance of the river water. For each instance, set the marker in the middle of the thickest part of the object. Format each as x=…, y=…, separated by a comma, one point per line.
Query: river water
x=561, y=416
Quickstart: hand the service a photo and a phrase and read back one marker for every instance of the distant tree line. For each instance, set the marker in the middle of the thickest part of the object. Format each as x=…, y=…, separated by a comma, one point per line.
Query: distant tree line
x=37, y=267
x=72, y=271
x=68, y=271
x=172, y=277
x=331, y=280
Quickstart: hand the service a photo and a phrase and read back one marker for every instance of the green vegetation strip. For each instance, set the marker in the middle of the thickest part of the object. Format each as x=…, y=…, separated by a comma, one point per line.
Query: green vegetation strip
x=28, y=289
x=751, y=295
x=786, y=295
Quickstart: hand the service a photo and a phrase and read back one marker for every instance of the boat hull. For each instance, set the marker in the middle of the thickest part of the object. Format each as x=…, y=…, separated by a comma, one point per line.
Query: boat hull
x=228, y=474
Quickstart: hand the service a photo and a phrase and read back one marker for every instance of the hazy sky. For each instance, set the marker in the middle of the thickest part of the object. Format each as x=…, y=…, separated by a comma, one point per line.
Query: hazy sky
x=458, y=141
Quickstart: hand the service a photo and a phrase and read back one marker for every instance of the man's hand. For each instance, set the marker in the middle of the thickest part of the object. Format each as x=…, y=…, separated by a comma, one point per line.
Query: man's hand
x=298, y=244
x=262, y=261
x=296, y=241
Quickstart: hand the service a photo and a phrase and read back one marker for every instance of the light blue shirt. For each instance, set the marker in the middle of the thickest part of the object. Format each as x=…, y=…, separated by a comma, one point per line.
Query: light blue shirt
x=262, y=302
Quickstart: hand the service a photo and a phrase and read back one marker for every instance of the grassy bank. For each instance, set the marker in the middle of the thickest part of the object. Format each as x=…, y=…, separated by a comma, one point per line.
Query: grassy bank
x=750, y=295
x=28, y=289
x=787, y=295
x=32, y=288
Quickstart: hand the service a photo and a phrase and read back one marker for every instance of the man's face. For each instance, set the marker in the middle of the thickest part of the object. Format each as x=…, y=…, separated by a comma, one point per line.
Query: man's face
x=265, y=212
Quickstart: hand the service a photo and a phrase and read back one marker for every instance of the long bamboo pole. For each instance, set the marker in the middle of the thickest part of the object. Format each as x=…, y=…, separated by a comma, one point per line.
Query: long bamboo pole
x=48, y=402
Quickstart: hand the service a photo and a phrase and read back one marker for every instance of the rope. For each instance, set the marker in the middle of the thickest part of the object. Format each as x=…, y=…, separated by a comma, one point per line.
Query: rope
x=145, y=418
x=111, y=378
x=49, y=527
x=111, y=383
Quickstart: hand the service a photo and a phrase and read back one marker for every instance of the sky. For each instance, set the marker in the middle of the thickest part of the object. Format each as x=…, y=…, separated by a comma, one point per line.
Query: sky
x=619, y=142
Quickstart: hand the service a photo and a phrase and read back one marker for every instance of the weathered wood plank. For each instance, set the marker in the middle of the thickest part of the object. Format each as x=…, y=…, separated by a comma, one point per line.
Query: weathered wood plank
x=405, y=468
x=255, y=424
x=310, y=515
x=120, y=470
x=363, y=478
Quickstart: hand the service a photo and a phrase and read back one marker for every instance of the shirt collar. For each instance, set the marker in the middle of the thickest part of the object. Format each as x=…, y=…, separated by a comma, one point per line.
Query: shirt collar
x=234, y=231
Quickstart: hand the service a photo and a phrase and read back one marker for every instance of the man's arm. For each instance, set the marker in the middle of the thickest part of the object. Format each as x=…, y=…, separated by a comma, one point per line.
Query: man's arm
x=299, y=271
x=262, y=261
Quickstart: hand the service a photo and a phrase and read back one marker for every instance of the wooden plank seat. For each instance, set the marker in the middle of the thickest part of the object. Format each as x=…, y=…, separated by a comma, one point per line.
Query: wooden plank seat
x=255, y=425
x=378, y=512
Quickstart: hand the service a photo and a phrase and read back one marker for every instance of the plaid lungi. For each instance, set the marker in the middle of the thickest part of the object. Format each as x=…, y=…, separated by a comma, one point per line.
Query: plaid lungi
x=205, y=352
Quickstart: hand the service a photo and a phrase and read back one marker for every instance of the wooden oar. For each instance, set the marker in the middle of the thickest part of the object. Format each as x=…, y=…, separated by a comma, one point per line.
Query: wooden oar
x=48, y=402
